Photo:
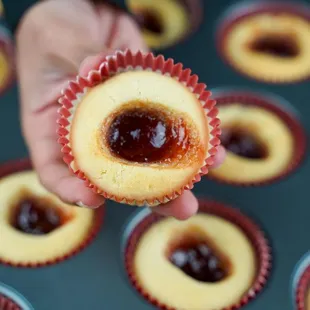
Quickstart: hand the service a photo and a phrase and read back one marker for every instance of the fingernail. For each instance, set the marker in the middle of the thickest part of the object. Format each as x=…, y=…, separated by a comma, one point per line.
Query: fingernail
x=82, y=205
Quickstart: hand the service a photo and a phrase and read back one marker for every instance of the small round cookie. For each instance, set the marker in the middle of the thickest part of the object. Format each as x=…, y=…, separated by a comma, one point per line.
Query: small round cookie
x=143, y=131
x=271, y=43
x=259, y=143
x=36, y=227
x=218, y=259
x=193, y=272
x=264, y=141
x=166, y=22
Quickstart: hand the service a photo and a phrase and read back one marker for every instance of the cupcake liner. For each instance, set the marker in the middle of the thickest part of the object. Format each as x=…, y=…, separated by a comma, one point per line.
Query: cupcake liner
x=24, y=165
x=8, y=304
x=245, y=9
x=299, y=282
x=10, y=299
x=283, y=110
x=253, y=232
x=6, y=47
x=302, y=288
x=128, y=61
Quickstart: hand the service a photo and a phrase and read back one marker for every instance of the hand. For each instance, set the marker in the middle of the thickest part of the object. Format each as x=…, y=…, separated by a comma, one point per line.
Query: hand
x=53, y=39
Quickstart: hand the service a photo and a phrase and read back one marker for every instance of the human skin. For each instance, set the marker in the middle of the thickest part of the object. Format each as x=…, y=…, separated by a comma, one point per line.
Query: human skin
x=56, y=40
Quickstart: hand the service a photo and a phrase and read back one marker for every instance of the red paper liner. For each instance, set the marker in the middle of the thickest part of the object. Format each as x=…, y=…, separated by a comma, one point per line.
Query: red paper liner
x=24, y=165
x=252, y=231
x=272, y=105
x=121, y=61
x=245, y=9
x=8, y=304
x=6, y=47
x=303, y=287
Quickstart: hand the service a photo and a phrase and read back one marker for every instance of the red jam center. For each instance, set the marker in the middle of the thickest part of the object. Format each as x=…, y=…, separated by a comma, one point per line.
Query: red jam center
x=277, y=45
x=33, y=216
x=243, y=144
x=199, y=262
x=149, y=21
x=147, y=135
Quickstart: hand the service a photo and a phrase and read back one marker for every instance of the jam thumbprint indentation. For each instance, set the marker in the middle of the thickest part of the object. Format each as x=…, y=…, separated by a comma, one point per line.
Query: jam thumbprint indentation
x=284, y=46
x=243, y=143
x=37, y=216
x=149, y=20
x=147, y=135
x=197, y=257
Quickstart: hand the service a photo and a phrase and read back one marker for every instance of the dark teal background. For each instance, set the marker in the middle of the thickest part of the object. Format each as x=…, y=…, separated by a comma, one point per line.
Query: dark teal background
x=95, y=279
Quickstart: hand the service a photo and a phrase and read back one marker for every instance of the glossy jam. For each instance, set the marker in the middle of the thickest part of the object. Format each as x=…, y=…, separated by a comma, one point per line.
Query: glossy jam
x=199, y=261
x=279, y=46
x=149, y=21
x=242, y=143
x=146, y=136
x=33, y=216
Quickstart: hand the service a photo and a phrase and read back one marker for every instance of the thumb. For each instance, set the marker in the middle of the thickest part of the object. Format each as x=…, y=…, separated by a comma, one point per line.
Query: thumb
x=93, y=62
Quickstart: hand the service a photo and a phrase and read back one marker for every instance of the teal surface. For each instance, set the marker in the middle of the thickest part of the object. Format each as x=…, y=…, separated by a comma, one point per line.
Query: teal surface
x=95, y=279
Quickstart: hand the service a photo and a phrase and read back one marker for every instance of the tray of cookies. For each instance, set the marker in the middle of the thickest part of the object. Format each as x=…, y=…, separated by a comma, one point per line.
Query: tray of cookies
x=143, y=128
